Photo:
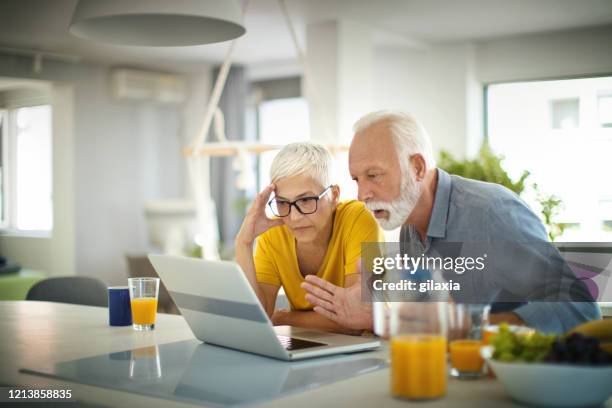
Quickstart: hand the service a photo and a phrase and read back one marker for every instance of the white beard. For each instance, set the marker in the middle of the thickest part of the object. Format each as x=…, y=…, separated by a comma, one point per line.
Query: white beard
x=400, y=208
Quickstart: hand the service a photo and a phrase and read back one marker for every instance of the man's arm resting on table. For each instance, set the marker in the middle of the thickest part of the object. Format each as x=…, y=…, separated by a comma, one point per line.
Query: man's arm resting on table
x=548, y=316
x=557, y=317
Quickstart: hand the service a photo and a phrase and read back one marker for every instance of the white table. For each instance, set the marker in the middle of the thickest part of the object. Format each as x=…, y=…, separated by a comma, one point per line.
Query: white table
x=35, y=333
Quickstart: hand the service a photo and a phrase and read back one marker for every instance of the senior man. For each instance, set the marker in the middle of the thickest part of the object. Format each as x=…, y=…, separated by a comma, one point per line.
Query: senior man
x=391, y=161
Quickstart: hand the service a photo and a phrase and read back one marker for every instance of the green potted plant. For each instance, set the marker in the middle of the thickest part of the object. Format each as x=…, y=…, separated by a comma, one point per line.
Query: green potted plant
x=487, y=166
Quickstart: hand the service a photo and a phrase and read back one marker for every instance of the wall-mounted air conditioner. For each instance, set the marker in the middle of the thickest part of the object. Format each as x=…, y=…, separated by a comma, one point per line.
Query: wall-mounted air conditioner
x=147, y=86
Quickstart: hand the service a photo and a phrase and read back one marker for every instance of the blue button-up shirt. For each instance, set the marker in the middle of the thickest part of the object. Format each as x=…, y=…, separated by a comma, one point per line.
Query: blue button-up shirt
x=467, y=210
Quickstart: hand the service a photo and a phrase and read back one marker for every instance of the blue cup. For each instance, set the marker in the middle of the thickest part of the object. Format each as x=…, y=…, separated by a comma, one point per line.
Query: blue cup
x=119, y=309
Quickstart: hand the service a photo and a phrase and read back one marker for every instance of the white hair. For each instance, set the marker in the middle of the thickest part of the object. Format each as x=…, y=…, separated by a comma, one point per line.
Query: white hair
x=409, y=136
x=303, y=158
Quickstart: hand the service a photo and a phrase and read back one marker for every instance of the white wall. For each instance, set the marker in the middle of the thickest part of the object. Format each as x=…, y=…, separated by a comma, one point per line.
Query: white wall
x=432, y=84
x=340, y=61
x=126, y=153
x=123, y=155
x=321, y=92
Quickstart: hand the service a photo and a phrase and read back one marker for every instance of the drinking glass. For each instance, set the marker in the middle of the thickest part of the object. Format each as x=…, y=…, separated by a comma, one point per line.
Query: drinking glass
x=466, y=323
x=418, y=349
x=143, y=300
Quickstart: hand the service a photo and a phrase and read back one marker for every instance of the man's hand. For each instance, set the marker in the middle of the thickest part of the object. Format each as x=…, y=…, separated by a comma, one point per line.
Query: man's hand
x=341, y=305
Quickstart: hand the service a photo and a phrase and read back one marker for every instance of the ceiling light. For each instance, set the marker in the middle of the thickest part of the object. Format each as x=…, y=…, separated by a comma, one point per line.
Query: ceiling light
x=157, y=23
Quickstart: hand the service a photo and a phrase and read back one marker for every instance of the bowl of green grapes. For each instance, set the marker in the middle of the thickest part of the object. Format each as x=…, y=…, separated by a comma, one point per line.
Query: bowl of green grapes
x=571, y=370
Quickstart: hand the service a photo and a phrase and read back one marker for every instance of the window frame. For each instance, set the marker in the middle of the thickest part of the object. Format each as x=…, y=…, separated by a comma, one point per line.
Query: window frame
x=8, y=138
x=4, y=173
x=601, y=95
x=555, y=103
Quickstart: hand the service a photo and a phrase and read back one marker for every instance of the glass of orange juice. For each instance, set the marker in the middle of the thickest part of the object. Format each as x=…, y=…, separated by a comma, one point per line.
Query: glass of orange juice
x=465, y=334
x=143, y=300
x=418, y=350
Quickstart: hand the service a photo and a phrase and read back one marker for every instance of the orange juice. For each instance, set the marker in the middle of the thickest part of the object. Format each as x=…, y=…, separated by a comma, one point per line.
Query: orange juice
x=488, y=332
x=418, y=366
x=144, y=310
x=465, y=356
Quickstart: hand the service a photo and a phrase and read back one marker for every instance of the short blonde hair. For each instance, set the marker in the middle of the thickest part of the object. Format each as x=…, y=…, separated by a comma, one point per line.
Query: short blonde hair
x=409, y=136
x=303, y=157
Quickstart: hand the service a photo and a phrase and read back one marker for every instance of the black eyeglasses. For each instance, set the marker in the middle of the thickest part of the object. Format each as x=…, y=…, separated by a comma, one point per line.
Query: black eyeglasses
x=305, y=205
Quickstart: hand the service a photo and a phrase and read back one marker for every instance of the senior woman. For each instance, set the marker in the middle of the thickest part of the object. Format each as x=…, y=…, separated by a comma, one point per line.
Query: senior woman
x=312, y=233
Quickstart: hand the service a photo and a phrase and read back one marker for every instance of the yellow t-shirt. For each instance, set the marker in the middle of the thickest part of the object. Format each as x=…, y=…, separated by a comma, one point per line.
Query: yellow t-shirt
x=276, y=259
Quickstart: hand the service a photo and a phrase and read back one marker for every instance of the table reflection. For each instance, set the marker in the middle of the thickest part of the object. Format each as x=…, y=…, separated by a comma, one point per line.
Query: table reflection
x=206, y=374
x=145, y=364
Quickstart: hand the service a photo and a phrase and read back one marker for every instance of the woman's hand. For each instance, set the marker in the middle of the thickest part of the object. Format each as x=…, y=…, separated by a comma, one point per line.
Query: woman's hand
x=256, y=221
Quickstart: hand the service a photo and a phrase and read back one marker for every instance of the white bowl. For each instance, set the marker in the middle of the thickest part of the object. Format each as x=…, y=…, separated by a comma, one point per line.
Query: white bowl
x=553, y=385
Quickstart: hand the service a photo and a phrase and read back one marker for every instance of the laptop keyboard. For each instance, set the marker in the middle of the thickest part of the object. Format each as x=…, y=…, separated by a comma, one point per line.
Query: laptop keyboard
x=290, y=343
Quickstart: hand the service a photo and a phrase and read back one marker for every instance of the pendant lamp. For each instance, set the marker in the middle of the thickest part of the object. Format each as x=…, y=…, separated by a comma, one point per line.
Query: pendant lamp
x=157, y=23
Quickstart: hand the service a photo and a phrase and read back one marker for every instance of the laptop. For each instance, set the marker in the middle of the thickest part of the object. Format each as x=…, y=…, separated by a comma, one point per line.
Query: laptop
x=221, y=307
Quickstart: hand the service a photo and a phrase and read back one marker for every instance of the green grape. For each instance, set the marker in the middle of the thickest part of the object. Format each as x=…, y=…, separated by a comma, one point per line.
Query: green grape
x=506, y=356
x=526, y=355
x=540, y=347
x=510, y=346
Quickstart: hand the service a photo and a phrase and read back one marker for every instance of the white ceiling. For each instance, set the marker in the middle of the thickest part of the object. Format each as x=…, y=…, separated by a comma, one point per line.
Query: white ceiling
x=43, y=25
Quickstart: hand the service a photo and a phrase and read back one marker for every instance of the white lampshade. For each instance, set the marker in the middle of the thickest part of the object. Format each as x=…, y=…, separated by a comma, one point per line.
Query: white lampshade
x=157, y=23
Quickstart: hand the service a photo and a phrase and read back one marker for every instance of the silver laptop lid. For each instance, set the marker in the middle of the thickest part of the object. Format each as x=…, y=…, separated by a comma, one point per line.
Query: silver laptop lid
x=218, y=303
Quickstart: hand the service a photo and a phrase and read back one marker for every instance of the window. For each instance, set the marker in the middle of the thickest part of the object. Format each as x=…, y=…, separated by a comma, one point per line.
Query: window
x=565, y=113
x=561, y=132
x=281, y=121
x=604, y=109
x=26, y=168
x=282, y=118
